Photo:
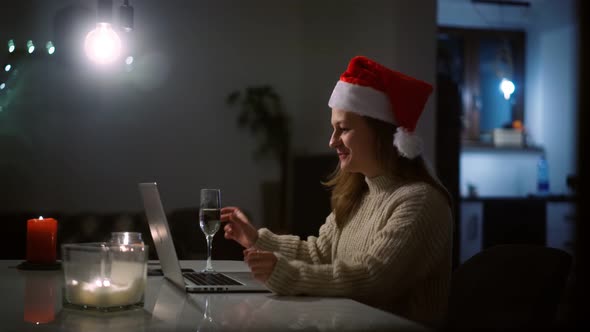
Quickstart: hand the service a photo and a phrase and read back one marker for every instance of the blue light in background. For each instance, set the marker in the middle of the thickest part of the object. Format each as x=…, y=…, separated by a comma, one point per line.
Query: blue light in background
x=489, y=174
x=507, y=88
x=495, y=112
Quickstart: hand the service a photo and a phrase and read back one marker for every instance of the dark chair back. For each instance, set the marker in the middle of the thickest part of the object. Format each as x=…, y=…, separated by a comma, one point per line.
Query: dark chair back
x=508, y=286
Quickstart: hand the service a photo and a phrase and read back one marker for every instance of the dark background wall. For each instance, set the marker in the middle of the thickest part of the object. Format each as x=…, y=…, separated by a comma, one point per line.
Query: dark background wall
x=76, y=138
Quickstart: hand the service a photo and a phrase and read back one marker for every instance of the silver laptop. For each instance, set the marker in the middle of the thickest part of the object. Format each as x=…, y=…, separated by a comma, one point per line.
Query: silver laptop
x=194, y=282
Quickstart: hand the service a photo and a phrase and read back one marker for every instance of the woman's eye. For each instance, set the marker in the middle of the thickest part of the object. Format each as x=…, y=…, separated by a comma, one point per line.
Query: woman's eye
x=344, y=129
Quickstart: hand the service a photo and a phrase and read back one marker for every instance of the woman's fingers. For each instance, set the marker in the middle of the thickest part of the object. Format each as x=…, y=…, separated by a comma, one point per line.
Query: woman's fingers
x=261, y=276
x=261, y=263
x=234, y=215
x=226, y=216
x=227, y=212
x=228, y=209
x=262, y=267
x=228, y=235
x=241, y=230
x=260, y=259
x=228, y=232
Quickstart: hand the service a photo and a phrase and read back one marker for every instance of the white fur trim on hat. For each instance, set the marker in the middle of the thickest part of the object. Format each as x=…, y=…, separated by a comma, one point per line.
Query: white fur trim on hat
x=362, y=100
x=407, y=143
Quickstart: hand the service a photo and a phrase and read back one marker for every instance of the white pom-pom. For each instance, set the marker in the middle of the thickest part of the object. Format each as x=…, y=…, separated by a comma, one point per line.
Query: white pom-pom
x=408, y=144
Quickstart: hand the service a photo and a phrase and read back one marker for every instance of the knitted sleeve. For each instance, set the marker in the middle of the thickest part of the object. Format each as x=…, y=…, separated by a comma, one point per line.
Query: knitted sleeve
x=410, y=243
x=316, y=250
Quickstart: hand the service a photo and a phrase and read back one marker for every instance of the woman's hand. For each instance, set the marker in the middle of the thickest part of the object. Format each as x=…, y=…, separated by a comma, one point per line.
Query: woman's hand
x=238, y=227
x=261, y=263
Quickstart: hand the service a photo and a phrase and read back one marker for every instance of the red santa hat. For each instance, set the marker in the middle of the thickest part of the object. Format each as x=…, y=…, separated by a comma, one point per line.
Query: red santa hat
x=371, y=89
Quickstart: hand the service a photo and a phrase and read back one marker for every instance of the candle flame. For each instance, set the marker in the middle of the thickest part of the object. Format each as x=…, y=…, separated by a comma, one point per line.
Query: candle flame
x=40, y=217
x=99, y=283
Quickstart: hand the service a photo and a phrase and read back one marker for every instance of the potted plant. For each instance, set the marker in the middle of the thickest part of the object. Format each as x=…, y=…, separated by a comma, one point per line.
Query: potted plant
x=261, y=112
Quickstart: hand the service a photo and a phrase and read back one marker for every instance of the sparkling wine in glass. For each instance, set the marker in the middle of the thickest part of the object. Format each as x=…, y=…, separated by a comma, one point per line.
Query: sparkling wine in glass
x=210, y=219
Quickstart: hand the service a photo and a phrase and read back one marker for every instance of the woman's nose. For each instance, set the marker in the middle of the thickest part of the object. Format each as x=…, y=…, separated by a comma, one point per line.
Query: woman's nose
x=334, y=140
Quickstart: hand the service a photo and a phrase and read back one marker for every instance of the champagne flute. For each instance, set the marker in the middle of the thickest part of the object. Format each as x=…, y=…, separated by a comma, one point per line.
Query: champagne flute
x=210, y=219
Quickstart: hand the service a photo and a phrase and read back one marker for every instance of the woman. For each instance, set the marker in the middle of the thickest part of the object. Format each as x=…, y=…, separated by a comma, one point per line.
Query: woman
x=387, y=242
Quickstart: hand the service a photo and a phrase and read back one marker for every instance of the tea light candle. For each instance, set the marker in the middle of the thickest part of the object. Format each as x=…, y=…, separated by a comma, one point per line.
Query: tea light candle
x=41, y=240
x=123, y=285
x=102, y=293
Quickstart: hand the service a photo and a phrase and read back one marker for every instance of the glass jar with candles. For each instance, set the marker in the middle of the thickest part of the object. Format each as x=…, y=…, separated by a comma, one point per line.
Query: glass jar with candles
x=105, y=276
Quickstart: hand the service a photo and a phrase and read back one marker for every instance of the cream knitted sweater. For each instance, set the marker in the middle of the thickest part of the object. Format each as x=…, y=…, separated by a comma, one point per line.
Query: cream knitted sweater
x=394, y=253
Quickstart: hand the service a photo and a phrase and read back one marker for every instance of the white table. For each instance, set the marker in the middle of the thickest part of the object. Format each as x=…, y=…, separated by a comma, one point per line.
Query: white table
x=30, y=296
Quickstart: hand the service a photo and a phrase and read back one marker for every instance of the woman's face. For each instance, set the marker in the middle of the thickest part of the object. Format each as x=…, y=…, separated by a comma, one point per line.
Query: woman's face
x=355, y=143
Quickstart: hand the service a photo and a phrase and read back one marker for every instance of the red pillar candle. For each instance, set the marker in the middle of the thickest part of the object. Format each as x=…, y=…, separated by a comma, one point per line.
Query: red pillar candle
x=41, y=240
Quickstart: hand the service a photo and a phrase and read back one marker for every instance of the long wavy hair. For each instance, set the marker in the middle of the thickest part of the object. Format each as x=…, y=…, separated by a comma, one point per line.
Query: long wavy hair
x=348, y=188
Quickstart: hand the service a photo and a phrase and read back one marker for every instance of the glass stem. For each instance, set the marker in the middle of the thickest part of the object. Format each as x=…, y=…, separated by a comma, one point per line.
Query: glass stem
x=209, y=249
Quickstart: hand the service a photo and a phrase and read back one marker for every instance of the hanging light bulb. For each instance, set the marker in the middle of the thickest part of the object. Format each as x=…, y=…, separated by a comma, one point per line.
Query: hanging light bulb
x=102, y=45
x=507, y=88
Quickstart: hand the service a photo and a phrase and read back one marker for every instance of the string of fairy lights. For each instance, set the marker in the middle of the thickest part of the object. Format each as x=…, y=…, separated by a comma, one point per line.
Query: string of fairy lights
x=17, y=51
x=103, y=45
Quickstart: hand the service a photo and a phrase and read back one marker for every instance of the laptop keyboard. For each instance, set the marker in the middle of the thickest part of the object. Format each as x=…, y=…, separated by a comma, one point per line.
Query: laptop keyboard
x=210, y=279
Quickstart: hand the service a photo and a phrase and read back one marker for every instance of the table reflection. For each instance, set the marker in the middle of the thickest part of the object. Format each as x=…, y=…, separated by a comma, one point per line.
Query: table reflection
x=207, y=323
x=136, y=320
x=279, y=313
x=243, y=312
x=36, y=298
x=168, y=306
x=41, y=294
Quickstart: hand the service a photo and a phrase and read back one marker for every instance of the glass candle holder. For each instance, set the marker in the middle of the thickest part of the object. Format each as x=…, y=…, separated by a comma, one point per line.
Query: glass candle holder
x=126, y=238
x=104, y=276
